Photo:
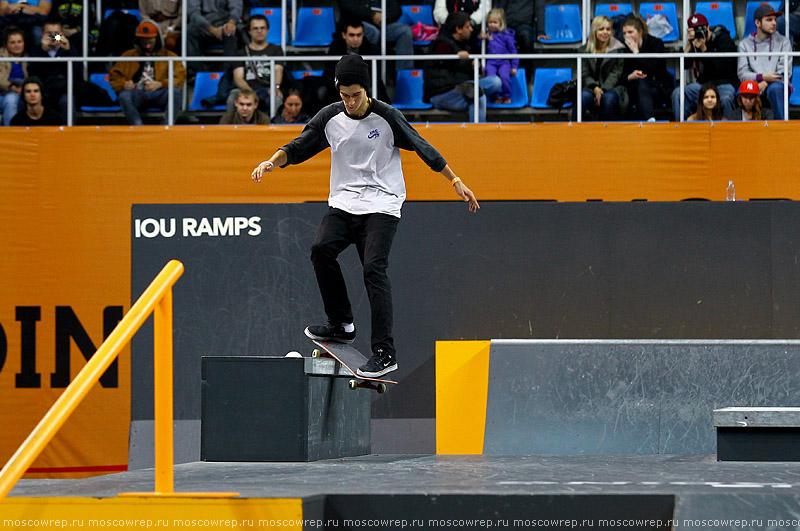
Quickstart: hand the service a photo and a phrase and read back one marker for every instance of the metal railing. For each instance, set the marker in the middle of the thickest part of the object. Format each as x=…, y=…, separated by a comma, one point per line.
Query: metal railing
x=156, y=299
x=374, y=59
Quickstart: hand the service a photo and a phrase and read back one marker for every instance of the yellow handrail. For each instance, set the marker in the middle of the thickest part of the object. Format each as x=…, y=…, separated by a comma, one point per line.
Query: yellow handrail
x=156, y=299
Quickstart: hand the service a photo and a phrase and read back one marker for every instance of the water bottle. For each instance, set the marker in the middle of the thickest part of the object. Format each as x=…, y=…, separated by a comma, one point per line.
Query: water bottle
x=730, y=192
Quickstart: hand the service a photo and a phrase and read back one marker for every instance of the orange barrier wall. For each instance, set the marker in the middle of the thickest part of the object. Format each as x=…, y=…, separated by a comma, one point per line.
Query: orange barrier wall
x=65, y=224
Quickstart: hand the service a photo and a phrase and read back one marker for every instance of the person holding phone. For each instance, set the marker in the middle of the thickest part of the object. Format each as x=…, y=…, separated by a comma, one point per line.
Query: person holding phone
x=648, y=80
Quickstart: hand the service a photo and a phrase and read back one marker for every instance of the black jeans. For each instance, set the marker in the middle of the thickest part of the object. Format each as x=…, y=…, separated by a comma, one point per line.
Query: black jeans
x=372, y=235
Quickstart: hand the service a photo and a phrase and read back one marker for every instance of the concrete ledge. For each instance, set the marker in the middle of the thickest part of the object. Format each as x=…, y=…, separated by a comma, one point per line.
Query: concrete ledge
x=757, y=417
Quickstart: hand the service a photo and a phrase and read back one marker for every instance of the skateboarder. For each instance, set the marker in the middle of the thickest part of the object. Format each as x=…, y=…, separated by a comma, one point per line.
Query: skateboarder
x=367, y=191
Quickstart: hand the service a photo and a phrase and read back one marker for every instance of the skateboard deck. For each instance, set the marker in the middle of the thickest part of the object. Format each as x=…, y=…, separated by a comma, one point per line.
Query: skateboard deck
x=351, y=359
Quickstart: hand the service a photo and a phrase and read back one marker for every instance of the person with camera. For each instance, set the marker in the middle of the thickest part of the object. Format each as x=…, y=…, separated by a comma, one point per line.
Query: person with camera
x=54, y=74
x=766, y=70
x=721, y=71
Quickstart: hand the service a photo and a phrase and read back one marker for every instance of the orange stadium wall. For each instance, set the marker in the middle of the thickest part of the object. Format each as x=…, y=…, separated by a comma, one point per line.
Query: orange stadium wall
x=65, y=226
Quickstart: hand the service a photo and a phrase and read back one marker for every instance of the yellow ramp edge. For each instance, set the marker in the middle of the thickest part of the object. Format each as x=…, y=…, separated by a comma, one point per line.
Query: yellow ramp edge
x=462, y=389
x=151, y=513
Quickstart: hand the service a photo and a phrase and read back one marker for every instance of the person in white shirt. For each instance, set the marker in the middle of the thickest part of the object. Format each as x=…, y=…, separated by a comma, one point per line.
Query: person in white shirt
x=367, y=191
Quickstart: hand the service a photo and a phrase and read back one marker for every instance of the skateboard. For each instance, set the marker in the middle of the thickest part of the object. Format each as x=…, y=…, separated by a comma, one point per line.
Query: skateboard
x=350, y=359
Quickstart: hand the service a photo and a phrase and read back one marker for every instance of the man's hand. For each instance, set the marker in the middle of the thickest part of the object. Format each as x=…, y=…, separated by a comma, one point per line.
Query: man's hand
x=463, y=54
x=762, y=86
x=129, y=85
x=772, y=77
x=216, y=32
x=64, y=42
x=467, y=195
x=229, y=28
x=152, y=85
x=376, y=18
x=261, y=169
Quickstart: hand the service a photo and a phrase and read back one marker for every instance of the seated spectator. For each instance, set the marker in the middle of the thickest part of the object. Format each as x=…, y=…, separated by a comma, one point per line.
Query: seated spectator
x=520, y=17
x=319, y=92
x=749, y=105
x=721, y=71
x=34, y=111
x=28, y=15
x=500, y=40
x=398, y=35
x=447, y=83
x=212, y=22
x=12, y=73
x=649, y=83
x=145, y=84
x=709, y=107
x=794, y=19
x=71, y=16
x=166, y=14
x=256, y=75
x=604, y=94
x=53, y=75
x=291, y=112
x=246, y=110
x=768, y=71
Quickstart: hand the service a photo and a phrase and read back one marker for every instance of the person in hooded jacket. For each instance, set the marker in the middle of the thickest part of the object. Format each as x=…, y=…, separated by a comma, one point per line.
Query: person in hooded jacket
x=145, y=84
x=604, y=92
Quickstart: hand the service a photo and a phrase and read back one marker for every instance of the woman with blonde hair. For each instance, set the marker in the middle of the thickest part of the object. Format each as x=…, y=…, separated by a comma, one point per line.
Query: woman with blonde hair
x=603, y=92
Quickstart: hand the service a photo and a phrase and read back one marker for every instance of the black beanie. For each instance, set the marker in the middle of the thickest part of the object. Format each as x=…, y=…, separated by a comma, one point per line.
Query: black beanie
x=352, y=70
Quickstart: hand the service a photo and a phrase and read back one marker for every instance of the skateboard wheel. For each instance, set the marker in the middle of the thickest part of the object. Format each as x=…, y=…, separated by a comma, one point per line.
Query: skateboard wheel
x=352, y=384
x=381, y=388
x=316, y=353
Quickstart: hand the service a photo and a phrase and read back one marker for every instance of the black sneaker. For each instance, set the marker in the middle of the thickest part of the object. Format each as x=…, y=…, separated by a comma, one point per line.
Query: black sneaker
x=330, y=332
x=378, y=365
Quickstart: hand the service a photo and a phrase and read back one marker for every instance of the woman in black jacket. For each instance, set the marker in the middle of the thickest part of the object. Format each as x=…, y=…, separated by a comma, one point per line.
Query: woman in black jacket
x=649, y=82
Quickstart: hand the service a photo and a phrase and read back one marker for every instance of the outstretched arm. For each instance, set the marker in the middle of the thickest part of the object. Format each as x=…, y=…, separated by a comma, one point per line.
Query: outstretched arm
x=461, y=188
x=278, y=159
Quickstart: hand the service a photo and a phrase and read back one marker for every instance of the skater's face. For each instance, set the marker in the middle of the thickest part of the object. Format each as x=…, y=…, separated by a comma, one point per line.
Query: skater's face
x=354, y=98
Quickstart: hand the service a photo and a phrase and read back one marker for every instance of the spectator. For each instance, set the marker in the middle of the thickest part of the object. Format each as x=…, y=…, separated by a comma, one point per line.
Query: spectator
x=213, y=21
x=166, y=14
x=648, y=80
x=520, y=17
x=721, y=71
x=291, y=112
x=145, y=84
x=447, y=83
x=794, y=19
x=246, y=111
x=319, y=92
x=398, y=35
x=709, y=107
x=256, y=75
x=71, y=16
x=500, y=40
x=53, y=75
x=28, y=15
x=749, y=105
x=474, y=8
x=768, y=71
x=12, y=73
x=35, y=113
x=604, y=93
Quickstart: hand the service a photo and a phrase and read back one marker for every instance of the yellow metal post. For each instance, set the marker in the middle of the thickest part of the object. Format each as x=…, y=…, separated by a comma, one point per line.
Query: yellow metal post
x=162, y=364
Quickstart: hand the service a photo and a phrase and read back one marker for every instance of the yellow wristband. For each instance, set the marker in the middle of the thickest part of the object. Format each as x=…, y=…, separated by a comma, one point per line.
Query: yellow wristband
x=455, y=180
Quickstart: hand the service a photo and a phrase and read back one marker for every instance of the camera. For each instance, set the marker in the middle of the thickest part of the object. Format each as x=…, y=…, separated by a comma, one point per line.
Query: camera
x=701, y=32
x=57, y=37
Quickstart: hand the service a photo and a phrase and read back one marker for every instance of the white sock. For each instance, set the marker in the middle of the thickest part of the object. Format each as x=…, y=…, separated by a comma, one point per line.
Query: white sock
x=349, y=327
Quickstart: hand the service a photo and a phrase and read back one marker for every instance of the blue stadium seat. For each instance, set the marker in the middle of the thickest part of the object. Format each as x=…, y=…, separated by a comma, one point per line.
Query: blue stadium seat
x=408, y=90
x=519, y=93
x=315, y=26
x=413, y=14
x=205, y=85
x=543, y=81
x=718, y=14
x=794, y=97
x=274, y=16
x=612, y=10
x=134, y=12
x=562, y=23
x=749, y=25
x=669, y=10
x=300, y=74
x=101, y=80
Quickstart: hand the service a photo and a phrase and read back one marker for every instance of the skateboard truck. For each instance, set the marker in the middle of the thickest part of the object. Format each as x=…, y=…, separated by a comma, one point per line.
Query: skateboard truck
x=357, y=381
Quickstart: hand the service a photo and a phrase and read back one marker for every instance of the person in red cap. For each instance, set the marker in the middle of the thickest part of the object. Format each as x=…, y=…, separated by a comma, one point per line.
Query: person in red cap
x=145, y=84
x=749, y=105
x=766, y=70
x=721, y=71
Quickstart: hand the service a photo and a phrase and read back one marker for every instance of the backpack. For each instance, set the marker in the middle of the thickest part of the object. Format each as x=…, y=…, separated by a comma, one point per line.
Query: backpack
x=563, y=93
